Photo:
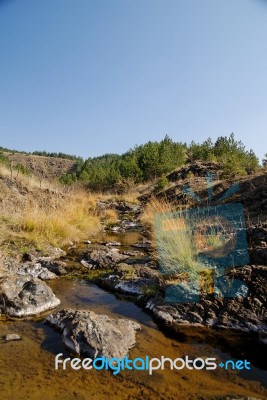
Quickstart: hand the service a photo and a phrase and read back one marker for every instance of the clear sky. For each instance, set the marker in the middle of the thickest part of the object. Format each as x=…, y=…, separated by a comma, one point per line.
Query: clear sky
x=89, y=77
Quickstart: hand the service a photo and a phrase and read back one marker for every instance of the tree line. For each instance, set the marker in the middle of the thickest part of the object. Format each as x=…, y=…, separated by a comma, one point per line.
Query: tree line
x=42, y=153
x=57, y=155
x=153, y=160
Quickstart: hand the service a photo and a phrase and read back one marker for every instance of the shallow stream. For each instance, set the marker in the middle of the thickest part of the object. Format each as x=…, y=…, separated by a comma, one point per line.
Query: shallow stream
x=28, y=372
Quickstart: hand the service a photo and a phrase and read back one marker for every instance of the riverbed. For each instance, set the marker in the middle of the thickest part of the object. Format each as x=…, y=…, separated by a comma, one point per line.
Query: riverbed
x=28, y=371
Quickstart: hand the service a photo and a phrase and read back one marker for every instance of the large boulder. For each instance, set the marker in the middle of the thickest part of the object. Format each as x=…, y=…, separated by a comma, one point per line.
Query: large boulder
x=23, y=295
x=94, y=335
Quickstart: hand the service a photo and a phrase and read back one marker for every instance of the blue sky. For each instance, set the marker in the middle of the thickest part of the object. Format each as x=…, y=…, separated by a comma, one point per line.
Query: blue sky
x=89, y=77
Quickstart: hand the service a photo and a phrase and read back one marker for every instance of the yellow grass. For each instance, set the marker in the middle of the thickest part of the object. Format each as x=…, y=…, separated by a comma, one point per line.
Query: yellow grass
x=31, y=216
x=175, y=245
x=69, y=221
x=155, y=206
x=109, y=216
x=130, y=197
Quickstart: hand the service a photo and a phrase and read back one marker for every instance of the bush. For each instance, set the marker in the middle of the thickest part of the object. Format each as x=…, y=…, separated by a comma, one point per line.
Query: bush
x=161, y=184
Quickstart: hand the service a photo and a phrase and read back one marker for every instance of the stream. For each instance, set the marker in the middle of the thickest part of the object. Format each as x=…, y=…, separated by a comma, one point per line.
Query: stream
x=28, y=372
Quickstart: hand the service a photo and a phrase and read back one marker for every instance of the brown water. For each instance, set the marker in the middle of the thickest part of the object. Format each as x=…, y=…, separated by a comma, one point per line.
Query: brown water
x=27, y=366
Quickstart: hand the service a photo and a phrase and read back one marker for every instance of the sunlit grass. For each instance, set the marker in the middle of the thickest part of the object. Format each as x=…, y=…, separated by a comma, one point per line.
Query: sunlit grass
x=178, y=242
x=34, y=217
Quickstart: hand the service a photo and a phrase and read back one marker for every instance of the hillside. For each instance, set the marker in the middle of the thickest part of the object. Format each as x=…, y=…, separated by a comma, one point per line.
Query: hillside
x=45, y=167
x=188, y=186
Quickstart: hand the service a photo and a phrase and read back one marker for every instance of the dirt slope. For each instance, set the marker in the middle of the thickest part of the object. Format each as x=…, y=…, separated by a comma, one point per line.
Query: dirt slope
x=45, y=167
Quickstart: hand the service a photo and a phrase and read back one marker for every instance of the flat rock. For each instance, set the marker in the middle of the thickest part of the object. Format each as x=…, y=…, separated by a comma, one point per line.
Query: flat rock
x=93, y=335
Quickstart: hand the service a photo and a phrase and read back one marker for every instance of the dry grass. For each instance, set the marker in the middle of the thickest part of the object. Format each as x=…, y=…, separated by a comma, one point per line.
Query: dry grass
x=109, y=216
x=129, y=197
x=30, y=181
x=177, y=246
x=34, y=217
x=153, y=207
x=70, y=220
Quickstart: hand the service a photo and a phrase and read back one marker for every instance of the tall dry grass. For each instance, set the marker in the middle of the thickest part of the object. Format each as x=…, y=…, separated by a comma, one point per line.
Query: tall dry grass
x=71, y=219
x=31, y=216
x=174, y=243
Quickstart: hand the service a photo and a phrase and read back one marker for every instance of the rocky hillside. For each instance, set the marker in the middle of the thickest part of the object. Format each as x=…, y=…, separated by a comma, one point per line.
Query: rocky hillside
x=189, y=186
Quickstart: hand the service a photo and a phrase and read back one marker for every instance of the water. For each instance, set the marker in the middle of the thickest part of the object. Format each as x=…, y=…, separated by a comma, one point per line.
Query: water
x=27, y=366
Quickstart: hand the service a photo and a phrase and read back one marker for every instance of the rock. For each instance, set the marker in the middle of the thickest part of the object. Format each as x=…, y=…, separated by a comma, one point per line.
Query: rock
x=196, y=168
x=181, y=292
x=22, y=296
x=132, y=253
x=150, y=304
x=130, y=225
x=28, y=257
x=87, y=242
x=115, y=228
x=11, y=337
x=134, y=287
x=120, y=206
x=132, y=280
x=165, y=317
x=143, y=245
x=57, y=267
x=54, y=252
x=37, y=271
x=94, y=335
x=87, y=264
x=111, y=243
x=104, y=258
x=245, y=310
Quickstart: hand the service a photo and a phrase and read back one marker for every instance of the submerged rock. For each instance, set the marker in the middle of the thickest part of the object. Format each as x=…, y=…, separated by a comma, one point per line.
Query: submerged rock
x=22, y=296
x=93, y=335
x=11, y=337
x=111, y=243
